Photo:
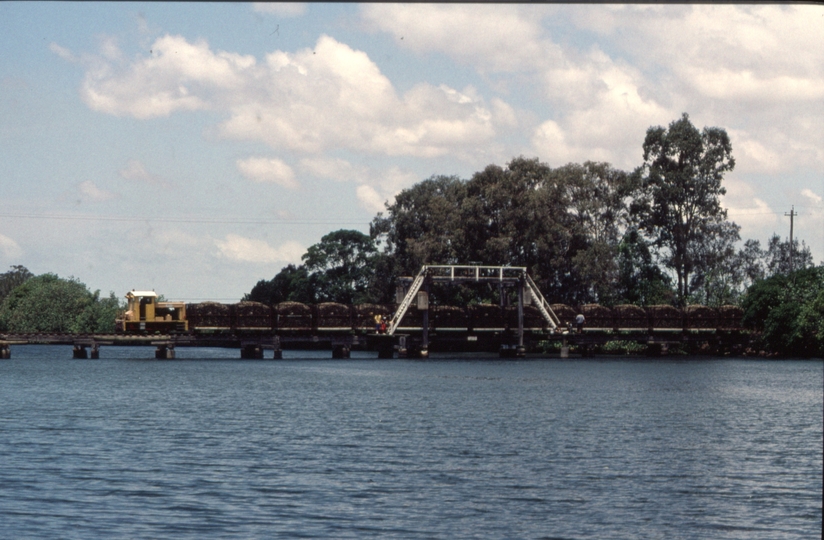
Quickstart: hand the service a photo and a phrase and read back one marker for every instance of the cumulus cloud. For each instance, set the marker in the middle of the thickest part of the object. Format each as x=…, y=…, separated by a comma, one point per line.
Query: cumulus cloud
x=811, y=195
x=336, y=169
x=746, y=209
x=492, y=38
x=329, y=96
x=63, y=52
x=134, y=170
x=9, y=248
x=268, y=170
x=241, y=249
x=374, y=186
x=177, y=75
x=91, y=192
x=638, y=66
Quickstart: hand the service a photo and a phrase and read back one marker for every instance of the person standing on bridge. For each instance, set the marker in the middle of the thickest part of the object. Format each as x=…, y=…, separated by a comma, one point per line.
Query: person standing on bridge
x=579, y=322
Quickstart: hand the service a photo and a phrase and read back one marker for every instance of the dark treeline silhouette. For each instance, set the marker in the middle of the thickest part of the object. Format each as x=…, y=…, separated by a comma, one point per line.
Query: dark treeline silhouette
x=588, y=234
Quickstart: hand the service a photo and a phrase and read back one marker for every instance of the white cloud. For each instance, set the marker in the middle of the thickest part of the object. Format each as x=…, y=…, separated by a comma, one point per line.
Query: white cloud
x=241, y=249
x=9, y=247
x=813, y=196
x=268, y=170
x=336, y=169
x=495, y=38
x=370, y=198
x=327, y=97
x=178, y=75
x=637, y=66
x=752, y=213
x=93, y=193
x=374, y=186
x=281, y=9
x=134, y=170
x=382, y=186
x=63, y=52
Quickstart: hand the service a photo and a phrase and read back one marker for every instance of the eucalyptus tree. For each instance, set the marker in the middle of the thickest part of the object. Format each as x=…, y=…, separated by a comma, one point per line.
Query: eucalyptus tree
x=342, y=265
x=598, y=196
x=291, y=284
x=423, y=225
x=679, y=206
x=640, y=281
x=502, y=212
x=11, y=279
x=777, y=257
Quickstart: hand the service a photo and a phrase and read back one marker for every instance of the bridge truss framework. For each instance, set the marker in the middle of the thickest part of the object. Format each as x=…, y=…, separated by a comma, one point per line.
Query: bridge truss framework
x=511, y=276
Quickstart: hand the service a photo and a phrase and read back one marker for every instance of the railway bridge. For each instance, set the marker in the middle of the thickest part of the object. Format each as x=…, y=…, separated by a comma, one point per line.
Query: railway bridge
x=417, y=325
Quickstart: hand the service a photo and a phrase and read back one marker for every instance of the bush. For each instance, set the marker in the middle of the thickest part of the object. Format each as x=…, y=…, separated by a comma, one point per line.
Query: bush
x=48, y=303
x=788, y=310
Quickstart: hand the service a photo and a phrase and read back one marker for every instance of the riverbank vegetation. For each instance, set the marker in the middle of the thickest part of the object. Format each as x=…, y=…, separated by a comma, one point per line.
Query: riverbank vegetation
x=587, y=233
x=48, y=303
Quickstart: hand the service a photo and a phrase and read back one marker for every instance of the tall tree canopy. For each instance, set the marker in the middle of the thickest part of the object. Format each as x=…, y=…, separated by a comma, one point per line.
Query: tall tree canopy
x=11, y=279
x=679, y=207
x=563, y=224
x=343, y=267
x=341, y=264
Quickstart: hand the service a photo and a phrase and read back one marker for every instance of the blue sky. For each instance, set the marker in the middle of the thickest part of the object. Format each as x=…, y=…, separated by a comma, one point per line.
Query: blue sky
x=195, y=149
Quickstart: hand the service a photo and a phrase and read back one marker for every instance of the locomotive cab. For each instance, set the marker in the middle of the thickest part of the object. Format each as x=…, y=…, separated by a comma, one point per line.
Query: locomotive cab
x=145, y=313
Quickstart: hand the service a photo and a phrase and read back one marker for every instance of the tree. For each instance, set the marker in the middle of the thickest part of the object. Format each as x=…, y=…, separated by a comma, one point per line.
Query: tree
x=291, y=284
x=777, y=256
x=48, y=303
x=751, y=263
x=562, y=224
x=598, y=197
x=679, y=205
x=640, y=280
x=787, y=310
x=718, y=274
x=343, y=266
x=11, y=279
x=423, y=225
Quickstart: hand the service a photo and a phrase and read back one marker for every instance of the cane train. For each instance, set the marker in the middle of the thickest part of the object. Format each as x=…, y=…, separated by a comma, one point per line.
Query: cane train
x=145, y=314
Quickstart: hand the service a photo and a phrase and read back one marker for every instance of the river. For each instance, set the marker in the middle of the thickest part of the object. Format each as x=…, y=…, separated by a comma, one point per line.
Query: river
x=208, y=445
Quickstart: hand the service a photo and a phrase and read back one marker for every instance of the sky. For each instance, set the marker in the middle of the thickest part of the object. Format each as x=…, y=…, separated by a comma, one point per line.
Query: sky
x=195, y=149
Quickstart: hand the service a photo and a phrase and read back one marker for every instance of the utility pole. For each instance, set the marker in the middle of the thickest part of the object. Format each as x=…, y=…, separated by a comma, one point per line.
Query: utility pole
x=791, y=214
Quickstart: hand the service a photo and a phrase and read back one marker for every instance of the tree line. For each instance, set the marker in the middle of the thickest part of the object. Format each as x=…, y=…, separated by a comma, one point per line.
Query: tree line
x=587, y=233
x=48, y=303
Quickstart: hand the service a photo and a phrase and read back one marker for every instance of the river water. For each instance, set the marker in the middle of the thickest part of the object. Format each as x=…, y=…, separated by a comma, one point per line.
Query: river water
x=454, y=447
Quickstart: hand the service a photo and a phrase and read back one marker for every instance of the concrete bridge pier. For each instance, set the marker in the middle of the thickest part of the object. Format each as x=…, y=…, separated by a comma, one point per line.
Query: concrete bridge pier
x=80, y=352
x=403, y=352
x=165, y=351
x=565, y=348
x=5, y=352
x=95, y=352
x=252, y=351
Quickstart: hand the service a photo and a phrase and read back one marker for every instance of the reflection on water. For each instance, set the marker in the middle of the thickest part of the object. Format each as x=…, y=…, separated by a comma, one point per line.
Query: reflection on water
x=208, y=445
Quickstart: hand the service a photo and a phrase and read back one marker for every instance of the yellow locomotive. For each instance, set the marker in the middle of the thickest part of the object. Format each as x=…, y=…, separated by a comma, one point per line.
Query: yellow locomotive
x=145, y=314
